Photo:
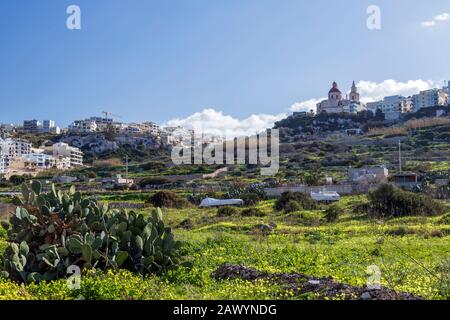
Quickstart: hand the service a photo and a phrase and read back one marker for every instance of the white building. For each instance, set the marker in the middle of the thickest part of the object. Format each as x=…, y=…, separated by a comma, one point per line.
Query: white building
x=49, y=126
x=83, y=126
x=430, y=98
x=391, y=106
x=40, y=160
x=336, y=104
x=63, y=150
x=3, y=166
x=11, y=148
x=8, y=127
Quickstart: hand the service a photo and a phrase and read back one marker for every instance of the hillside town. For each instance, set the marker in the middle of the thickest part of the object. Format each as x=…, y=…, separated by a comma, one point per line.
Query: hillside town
x=393, y=107
x=98, y=135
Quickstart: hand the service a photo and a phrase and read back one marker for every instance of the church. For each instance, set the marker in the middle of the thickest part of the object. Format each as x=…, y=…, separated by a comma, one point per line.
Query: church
x=336, y=104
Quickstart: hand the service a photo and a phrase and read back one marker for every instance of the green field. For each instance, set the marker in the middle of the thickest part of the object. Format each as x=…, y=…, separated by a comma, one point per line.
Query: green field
x=412, y=253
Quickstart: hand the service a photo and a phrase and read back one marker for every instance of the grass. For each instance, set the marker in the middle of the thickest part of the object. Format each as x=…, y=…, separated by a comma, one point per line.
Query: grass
x=412, y=253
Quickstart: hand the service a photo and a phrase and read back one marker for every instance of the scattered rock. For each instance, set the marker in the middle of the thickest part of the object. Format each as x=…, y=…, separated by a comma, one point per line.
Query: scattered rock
x=366, y=296
x=264, y=228
x=299, y=283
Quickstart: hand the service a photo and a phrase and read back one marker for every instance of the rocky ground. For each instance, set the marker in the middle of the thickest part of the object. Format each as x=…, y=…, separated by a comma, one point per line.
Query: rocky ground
x=322, y=288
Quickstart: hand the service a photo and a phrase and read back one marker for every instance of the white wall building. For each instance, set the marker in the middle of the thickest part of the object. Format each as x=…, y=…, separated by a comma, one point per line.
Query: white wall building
x=391, y=106
x=63, y=150
x=430, y=98
x=3, y=166
x=49, y=126
x=41, y=160
x=11, y=148
x=83, y=126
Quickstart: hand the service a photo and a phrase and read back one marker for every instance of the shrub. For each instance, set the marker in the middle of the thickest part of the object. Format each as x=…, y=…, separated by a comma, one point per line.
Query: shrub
x=437, y=233
x=91, y=175
x=361, y=208
x=50, y=233
x=332, y=213
x=308, y=218
x=227, y=211
x=445, y=219
x=250, y=199
x=252, y=212
x=153, y=182
x=16, y=180
x=401, y=231
x=4, y=183
x=295, y=200
x=167, y=199
x=186, y=224
x=292, y=206
x=389, y=201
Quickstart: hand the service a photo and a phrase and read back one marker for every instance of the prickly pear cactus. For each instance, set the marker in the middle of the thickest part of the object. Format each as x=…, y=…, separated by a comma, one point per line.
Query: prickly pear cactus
x=50, y=232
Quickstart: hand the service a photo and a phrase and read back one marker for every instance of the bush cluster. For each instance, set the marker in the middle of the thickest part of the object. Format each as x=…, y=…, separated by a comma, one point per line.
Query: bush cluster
x=389, y=201
x=167, y=199
x=295, y=201
x=227, y=211
x=252, y=212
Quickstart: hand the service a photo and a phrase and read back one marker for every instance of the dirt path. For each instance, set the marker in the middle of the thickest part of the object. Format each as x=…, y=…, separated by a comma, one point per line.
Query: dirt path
x=300, y=284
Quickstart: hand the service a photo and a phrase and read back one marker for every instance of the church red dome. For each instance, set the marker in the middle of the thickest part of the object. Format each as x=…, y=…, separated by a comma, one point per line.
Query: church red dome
x=335, y=88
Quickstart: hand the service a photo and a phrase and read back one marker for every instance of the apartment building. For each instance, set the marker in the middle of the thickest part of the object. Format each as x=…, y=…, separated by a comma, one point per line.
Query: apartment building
x=31, y=126
x=83, y=126
x=63, y=150
x=391, y=106
x=49, y=126
x=8, y=127
x=430, y=98
x=3, y=166
x=11, y=148
x=38, y=160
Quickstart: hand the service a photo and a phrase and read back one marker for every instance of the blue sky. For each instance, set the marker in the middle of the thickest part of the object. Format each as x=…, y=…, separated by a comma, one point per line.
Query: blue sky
x=160, y=60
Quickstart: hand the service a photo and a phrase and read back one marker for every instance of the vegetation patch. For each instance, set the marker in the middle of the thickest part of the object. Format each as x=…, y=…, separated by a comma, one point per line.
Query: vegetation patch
x=167, y=199
x=295, y=201
x=50, y=233
x=388, y=201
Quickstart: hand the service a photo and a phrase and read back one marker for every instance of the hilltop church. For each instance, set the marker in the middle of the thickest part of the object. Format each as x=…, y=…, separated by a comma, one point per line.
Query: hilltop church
x=335, y=103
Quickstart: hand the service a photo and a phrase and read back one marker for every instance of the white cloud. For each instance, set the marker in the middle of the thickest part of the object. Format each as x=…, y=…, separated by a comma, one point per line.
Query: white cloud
x=213, y=122
x=442, y=17
x=306, y=105
x=372, y=91
x=428, y=24
x=439, y=18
